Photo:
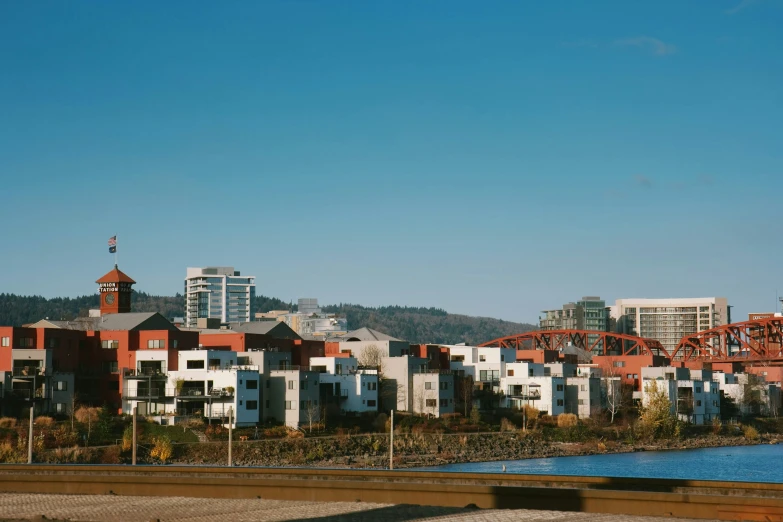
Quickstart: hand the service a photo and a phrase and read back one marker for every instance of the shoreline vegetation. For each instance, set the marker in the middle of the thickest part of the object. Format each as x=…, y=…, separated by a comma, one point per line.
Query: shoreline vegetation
x=418, y=441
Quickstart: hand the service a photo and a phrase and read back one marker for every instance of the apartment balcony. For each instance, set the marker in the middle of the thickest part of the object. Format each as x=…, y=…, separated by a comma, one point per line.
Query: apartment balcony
x=148, y=393
x=523, y=392
x=26, y=394
x=145, y=373
x=29, y=371
x=198, y=394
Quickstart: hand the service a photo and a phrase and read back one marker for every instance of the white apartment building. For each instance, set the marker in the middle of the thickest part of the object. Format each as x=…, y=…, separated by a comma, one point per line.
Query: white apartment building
x=207, y=383
x=398, y=375
x=484, y=364
x=583, y=396
x=525, y=384
x=368, y=352
x=218, y=292
x=688, y=396
x=751, y=394
x=343, y=383
x=433, y=392
x=293, y=397
x=669, y=320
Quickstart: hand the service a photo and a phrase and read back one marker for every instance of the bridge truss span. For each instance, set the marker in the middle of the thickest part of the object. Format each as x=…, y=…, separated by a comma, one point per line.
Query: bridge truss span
x=757, y=340
x=593, y=341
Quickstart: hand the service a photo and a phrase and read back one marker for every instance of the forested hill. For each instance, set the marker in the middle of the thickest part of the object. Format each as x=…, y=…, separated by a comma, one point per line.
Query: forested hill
x=422, y=325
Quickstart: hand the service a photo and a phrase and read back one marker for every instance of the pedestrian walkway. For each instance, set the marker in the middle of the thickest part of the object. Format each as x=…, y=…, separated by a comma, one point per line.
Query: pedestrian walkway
x=111, y=508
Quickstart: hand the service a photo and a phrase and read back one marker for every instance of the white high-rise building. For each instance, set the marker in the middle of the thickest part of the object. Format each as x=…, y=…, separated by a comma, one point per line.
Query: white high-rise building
x=669, y=320
x=218, y=292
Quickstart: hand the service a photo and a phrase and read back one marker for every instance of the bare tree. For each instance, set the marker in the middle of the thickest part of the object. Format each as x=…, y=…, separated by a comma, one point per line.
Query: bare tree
x=371, y=355
x=466, y=392
x=313, y=413
x=612, y=388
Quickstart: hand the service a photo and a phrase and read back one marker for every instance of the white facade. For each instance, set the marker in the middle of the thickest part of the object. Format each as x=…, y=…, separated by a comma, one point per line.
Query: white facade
x=669, y=320
x=583, y=396
x=483, y=364
x=692, y=399
x=208, y=383
x=529, y=387
x=433, y=393
x=750, y=393
x=398, y=375
x=354, y=389
x=218, y=292
x=293, y=397
x=366, y=351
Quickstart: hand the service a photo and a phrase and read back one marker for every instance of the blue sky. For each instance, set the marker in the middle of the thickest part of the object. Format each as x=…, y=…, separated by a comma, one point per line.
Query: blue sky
x=489, y=158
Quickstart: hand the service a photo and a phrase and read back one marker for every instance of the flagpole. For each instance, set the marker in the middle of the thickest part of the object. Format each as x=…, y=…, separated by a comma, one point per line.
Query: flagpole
x=115, y=251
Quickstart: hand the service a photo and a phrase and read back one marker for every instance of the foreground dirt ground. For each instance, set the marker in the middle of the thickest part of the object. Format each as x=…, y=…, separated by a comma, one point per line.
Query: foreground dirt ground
x=83, y=508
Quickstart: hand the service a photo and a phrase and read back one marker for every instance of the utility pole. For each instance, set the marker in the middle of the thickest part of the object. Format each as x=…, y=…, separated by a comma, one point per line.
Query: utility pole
x=133, y=461
x=391, y=441
x=30, y=438
x=230, y=433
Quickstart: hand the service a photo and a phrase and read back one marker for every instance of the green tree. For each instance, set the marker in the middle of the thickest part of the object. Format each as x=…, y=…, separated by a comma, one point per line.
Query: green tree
x=656, y=419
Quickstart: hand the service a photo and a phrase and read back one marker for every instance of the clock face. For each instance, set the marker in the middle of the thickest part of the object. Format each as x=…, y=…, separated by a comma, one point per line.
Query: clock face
x=109, y=299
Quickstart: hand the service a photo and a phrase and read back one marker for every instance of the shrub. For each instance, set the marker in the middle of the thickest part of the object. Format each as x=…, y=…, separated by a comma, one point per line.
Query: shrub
x=294, y=434
x=44, y=422
x=127, y=438
x=507, y=425
x=276, y=431
x=750, y=433
x=161, y=449
x=7, y=422
x=86, y=414
x=475, y=415
x=567, y=420
x=9, y=454
x=717, y=426
x=531, y=414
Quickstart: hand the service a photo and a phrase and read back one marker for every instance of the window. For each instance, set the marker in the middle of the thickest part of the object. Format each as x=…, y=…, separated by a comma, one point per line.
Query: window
x=372, y=386
x=110, y=344
x=174, y=343
x=251, y=405
x=303, y=385
x=156, y=343
x=618, y=364
x=371, y=403
x=289, y=405
x=196, y=365
x=109, y=366
x=59, y=407
x=635, y=375
x=583, y=387
x=444, y=403
x=502, y=357
x=444, y=386
x=559, y=387
x=25, y=342
x=715, y=403
x=61, y=386
x=628, y=376
x=251, y=385
x=697, y=390
x=559, y=402
x=432, y=403
x=547, y=371
x=698, y=403
x=291, y=385
x=54, y=342
x=482, y=358
x=428, y=385
x=669, y=376
x=581, y=402
x=511, y=373
x=454, y=358
x=240, y=403
x=6, y=341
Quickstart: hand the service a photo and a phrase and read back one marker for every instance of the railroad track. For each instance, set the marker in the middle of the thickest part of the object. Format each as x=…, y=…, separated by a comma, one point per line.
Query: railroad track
x=632, y=496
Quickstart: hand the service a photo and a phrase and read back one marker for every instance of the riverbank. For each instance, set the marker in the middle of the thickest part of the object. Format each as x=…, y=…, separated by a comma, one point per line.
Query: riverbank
x=418, y=450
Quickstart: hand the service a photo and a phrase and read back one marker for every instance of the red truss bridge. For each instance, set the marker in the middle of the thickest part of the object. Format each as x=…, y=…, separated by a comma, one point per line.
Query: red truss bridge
x=757, y=340
x=593, y=341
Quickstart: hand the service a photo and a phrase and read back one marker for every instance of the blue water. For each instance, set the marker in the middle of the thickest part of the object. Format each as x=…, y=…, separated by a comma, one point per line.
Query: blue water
x=743, y=463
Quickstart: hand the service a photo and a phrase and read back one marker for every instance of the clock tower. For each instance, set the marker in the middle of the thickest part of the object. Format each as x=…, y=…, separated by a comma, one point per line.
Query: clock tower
x=115, y=290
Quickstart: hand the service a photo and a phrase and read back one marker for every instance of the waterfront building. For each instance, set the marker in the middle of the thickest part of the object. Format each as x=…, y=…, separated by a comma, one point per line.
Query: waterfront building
x=692, y=398
x=527, y=384
x=218, y=292
x=669, y=320
x=310, y=322
x=346, y=385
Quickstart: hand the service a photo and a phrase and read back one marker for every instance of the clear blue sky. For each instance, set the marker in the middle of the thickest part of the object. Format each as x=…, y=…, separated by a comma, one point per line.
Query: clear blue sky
x=489, y=158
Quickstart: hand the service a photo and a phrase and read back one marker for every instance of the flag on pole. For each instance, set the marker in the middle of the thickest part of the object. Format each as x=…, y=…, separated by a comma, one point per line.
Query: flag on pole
x=113, y=245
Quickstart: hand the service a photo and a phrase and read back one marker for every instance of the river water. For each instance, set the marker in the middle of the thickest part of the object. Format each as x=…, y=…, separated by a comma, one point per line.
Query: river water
x=743, y=463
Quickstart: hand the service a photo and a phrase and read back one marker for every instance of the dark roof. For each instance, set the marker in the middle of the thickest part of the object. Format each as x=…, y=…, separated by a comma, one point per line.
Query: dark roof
x=130, y=321
x=115, y=276
x=276, y=329
x=365, y=334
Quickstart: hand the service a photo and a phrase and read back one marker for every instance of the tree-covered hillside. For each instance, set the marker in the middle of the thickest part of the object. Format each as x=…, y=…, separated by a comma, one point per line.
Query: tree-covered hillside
x=419, y=325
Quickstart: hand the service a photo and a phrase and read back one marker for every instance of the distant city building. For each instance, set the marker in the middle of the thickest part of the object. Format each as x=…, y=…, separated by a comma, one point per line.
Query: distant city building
x=218, y=292
x=310, y=322
x=669, y=320
x=590, y=313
